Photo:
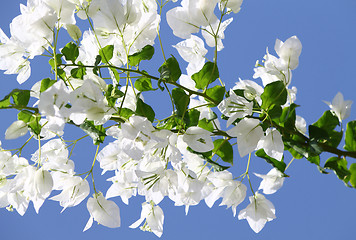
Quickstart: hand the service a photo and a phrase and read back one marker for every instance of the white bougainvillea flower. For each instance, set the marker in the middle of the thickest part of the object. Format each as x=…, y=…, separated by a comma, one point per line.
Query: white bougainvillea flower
x=272, y=181
x=301, y=124
x=217, y=29
x=289, y=51
x=74, y=189
x=272, y=144
x=178, y=20
x=192, y=50
x=232, y=192
x=17, y=129
x=233, y=5
x=43, y=182
x=105, y=212
x=340, y=107
x=198, y=139
x=251, y=90
x=248, y=133
x=154, y=219
x=258, y=212
x=53, y=101
x=235, y=107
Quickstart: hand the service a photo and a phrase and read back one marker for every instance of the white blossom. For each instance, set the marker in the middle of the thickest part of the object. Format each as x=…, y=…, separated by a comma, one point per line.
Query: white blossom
x=258, y=212
x=340, y=107
x=105, y=212
x=153, y=216
x=272, y=181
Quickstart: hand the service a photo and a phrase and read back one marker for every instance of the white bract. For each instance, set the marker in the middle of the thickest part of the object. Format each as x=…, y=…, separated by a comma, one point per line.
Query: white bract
x=105, y=212
x=258, y=212
x=198, y=139
x=17, y=129
x=340, y=107
x=248, y=133
x=272, y=181
x=153, y=217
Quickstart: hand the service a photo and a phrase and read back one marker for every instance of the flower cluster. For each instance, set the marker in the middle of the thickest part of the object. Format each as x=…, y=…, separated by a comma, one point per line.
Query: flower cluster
x=98, y=87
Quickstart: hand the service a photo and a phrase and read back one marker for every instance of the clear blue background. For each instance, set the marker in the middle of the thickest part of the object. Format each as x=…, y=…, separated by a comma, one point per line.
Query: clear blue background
x=309, y=206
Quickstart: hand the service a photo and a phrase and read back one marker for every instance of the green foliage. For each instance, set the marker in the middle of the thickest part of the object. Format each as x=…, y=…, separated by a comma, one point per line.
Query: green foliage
x=144, y=84
x=339, y=166
x=208, y=74
x=288, y=117
x=46, y=83
x=181, y=100
x=112, y=94
x=323, y=130
x=58, y=61
x=146, y=53
x=274, y=93
x=169, y=71
x=350, y=136
x=217, y=93
x=79, y=71
x=126, y=113
x=280, y=165
x=20, y=98
x=145, y=110
x=353, y=174
x=192, y=118
x=70, y=52
x=32, y=120
x=106, y=53
x=97, y=133
x=224, y=150
x=206, y=124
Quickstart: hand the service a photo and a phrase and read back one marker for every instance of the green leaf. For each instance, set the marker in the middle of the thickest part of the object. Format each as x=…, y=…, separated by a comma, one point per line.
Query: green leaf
x=106, y=53
x=146, y=53
x=206, y=124
x=353, y=175
x=70, y=52
x=281, y=166
x=144, y=84
x=327, y=122
x=112, y=94
x=21, y=97
x=323, y=129
x=208, y=74
x=169, y=123
x=274, y=93
x=5, y=102
x=224, y=150
x=25, y=116
x=275, y=112
x=217, y=167
x=145, y=110
x=350, y=137
x=78, y=72
x=58, y=60
x=181, y=100
x=170, y=71
x=288, y=116
x=217, y=93
x=126, y=113
x=192, y=118
x=46, y=83
x=97, y=133
x=296, y=146
x=339, y=166
x=32, y=120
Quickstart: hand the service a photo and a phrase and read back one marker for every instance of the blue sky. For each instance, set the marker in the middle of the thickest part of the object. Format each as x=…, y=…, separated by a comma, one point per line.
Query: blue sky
x=309, y=206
